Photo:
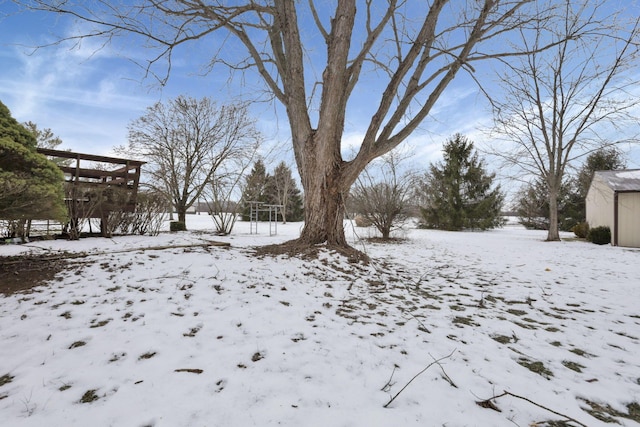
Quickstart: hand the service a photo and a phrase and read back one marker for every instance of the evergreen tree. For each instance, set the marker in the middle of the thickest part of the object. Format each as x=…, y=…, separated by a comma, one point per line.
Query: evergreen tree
x=281, y=189
x=254, y=190
x=31, y=187
x=45, y=138
x=602, y=160
x=532, y=205
x=458, y=193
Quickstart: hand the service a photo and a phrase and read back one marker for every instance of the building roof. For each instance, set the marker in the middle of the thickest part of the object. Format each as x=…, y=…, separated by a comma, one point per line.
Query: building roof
x=621, y=180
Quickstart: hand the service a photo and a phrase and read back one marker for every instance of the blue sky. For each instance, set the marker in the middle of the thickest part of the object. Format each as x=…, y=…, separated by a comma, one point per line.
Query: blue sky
x=88, y=94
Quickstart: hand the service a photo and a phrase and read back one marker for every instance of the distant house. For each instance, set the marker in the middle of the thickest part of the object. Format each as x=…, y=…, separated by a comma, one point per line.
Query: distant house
x=613, y=200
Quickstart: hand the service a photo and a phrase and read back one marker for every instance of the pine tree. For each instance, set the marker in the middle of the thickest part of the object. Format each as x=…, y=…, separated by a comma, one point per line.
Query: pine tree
x=254, y=190
x=45, y=138
x=532, y=205
x=281, y=189
x=602, y=160
x=458, y=192
x=31, y=187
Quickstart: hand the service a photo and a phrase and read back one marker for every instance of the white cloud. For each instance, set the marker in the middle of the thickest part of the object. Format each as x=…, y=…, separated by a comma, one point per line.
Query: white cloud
x=87, y=103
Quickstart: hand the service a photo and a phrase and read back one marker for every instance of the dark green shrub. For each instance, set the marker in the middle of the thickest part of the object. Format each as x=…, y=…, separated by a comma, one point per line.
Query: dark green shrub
x=599, y=235
x=177, y=226
x=581, y=229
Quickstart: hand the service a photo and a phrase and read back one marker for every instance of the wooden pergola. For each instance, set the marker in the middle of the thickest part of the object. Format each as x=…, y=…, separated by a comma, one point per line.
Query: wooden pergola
x=97, y=185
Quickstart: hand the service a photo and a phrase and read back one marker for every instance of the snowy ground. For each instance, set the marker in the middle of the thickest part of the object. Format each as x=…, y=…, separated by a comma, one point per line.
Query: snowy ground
x=207, y=336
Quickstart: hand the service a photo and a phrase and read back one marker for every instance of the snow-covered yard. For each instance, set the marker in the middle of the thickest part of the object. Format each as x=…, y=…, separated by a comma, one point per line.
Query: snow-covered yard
x=199, y=335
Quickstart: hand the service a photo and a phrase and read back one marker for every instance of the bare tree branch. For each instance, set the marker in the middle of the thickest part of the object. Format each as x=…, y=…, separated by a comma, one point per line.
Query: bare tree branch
x=435, y=362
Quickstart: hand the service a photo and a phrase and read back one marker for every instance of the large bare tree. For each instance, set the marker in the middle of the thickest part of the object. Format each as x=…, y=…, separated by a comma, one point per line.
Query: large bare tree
x=185, y=142
x=563, y=103
x=312, y=56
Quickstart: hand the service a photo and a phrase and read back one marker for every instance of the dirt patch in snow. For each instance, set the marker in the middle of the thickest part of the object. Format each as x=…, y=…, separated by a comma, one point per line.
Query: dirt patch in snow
x=22, y=273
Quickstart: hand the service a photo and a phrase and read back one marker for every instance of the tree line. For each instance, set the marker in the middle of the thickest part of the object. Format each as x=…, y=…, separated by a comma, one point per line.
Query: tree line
x=196, y=149
x=566, y=73
x=459, y=193
x=566, y=69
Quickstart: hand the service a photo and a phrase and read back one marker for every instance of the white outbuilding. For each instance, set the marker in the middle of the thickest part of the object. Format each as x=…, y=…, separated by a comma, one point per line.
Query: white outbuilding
x=613, y=200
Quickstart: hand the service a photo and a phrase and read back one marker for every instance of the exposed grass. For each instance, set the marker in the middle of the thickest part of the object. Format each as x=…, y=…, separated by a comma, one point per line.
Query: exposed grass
x=6, y=379
x=147, y=355
x=192, y=332
x=458, y=320
x=115, y=357
x=189, y=370
x=99, y=324
x=502, y=339
x=526, y=325
x=573, y=365
x=634, y=411
x=536, y=367
x=89, y=396
x=581, y=352
x=604, y=412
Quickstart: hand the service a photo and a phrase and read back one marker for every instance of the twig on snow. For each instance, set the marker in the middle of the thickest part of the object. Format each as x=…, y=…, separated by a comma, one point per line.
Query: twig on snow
x=388, y=385
x=425, y=329
x=444, y=373
x=435, y=362
x=488, y=404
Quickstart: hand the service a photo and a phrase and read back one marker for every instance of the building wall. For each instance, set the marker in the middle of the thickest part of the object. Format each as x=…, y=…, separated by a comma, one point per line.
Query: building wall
x=600, y=205
x=629, y=219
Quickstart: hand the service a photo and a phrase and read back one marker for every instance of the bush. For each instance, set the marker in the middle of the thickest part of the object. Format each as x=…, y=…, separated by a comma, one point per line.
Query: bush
x=599, y=235
x=581, y=229
x=361, y=221
x=177, y=226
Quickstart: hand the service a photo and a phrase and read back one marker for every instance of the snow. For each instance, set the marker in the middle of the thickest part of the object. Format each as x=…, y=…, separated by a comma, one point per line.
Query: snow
x=622, y=180
x=322, y=342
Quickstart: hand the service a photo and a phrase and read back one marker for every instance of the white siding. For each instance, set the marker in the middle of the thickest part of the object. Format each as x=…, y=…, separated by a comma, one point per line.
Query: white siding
x=629, y=219
x=600, y=204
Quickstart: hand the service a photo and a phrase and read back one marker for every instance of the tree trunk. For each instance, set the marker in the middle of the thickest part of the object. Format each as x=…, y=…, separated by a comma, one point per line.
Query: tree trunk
x=553, y=234
x=325, y=187
x=74, y=230
x=386, y=233
x=182, y=214
x=21, y=230
x=324, y=209
x=28, y=229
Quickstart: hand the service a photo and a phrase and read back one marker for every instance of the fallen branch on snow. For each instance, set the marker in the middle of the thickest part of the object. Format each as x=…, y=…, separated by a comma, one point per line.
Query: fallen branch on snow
x=435, y=362
x=490, y=405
